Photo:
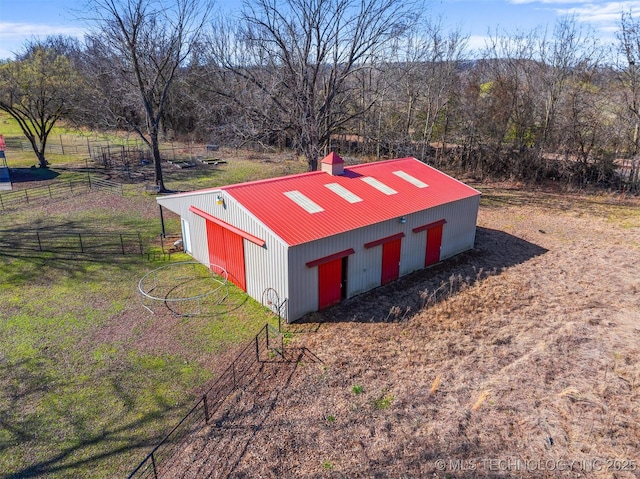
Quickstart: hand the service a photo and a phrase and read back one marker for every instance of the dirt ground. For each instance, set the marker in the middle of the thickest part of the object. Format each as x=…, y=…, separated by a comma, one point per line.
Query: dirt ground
x=520, y=358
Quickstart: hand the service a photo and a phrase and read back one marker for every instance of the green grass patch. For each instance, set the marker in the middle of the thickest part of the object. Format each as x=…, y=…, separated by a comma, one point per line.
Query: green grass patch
x=90, y=381
x=383, y=402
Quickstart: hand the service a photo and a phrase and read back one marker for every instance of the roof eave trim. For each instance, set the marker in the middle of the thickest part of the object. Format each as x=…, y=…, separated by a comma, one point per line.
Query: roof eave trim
x=428, y=226
x=224, y=224
x=388, y=239
x=331, y=257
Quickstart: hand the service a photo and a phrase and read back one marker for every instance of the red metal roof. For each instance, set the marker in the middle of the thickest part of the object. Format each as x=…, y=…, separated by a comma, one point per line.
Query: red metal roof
x=292, y=221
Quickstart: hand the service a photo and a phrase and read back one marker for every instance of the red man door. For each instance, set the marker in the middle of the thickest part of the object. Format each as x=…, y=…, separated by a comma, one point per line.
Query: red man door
x=329, y=283
x=434, y=241
x=391, y=261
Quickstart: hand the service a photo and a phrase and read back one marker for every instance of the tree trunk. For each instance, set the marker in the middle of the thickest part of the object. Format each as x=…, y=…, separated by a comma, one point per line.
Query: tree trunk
x=157, y=163
x=311, y=154
x=42, y=161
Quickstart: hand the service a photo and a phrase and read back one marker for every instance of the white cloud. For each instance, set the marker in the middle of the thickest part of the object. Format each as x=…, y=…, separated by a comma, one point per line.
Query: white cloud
x=601, y=15
x=477, y=42
x=14, y=35
x=23, y=30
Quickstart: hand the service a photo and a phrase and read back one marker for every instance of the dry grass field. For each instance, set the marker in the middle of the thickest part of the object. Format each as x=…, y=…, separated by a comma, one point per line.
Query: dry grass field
x=518, y=359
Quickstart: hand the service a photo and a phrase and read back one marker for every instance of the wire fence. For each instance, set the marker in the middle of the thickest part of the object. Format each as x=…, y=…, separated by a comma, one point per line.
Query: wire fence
x=107, y=243
x=72, y=145
x=57, y=190
x=116, y=153
x=267, y=345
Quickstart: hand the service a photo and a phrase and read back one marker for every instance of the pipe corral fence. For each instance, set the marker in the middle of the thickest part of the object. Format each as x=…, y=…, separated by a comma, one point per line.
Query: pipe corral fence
x=266, y=346
x=183, y=287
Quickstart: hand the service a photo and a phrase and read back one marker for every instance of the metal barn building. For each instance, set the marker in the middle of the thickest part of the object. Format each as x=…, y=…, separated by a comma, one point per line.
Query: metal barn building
x=317, y=238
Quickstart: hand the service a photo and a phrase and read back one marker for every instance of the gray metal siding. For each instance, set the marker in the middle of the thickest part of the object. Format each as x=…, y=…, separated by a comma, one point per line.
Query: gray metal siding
x=284, y=269
x=365, y=265
x=265, y=267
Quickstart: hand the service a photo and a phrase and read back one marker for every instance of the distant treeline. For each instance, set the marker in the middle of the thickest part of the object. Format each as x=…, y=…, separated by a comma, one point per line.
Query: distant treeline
x=383, y=82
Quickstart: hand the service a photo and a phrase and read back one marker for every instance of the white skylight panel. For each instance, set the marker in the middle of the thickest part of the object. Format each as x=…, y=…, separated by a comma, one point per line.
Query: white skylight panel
x=304, y=202
x=343, y=192
x=378, y=185
x=407, y=177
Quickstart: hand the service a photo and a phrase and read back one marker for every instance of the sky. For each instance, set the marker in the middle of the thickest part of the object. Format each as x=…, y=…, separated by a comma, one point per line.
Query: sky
x=21, y=20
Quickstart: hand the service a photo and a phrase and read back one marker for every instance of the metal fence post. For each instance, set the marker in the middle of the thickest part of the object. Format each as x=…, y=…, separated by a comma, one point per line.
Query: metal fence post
x=257, y=347
x=121, y=243
x=39, y=243
x=266, y=332
x=233, y=370
x=153, y=463
x=80, y=238
x=206, y=408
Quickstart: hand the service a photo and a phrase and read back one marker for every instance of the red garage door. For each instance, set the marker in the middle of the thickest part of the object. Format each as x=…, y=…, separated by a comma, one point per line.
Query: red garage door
x=226, y=249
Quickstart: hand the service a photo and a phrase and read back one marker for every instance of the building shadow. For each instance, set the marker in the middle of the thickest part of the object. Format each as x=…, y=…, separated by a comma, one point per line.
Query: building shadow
x=402, y=299
x=25, y=175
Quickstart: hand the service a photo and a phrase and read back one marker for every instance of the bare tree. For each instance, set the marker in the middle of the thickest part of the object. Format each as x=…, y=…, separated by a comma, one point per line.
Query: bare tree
x=431, y=80
x=562, y=57
x=629, y=45
x=300, y=57
x=136, y=54
x=415, y=86
x=38, y=89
